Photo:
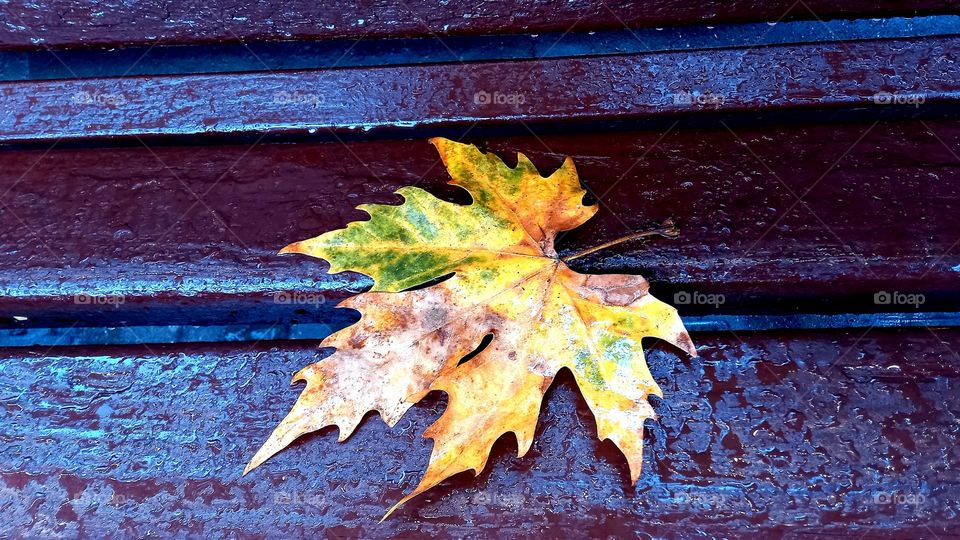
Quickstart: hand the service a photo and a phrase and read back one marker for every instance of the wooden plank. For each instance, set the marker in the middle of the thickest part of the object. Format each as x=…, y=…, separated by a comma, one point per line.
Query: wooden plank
x=158, y=333
x=38, y=64
x=90, y=23
x=627, y=87
x=189, y=234
x=781, y=435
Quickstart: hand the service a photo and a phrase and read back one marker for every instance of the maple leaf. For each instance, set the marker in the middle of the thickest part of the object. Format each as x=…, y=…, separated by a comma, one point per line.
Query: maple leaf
x=507, y=281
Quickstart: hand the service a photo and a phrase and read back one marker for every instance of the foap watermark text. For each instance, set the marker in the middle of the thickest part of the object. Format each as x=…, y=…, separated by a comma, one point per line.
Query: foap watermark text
x=499, y=98
x=896, y=98
x=696, y=298
x=83, y=299
x=897, y=298
x=298, y=298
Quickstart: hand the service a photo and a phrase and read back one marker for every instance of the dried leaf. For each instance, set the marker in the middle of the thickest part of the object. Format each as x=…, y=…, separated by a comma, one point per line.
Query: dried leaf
x=508, y=282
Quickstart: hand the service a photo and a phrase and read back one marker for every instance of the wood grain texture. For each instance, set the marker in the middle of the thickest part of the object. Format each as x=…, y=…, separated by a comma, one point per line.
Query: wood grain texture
x=782, y=435
x=785, y=434
x=397, y=99
x=127, y=22
x=189, y=234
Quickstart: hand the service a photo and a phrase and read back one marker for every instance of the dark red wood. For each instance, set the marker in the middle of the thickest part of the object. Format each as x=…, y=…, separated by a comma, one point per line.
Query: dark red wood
x=787, y=435
x=909, y=72
x=74, y=23
x=190, y=233
x=797, y=186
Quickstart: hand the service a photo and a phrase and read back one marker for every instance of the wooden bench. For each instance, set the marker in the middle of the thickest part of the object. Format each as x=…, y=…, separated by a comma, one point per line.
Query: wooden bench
x=155, y=156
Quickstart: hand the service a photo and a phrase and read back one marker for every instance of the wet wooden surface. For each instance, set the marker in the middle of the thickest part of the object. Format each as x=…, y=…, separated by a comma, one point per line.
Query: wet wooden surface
x=399, y=99
x=817, y=434
x=64, y=23
x=805, y=179
x=189, y=233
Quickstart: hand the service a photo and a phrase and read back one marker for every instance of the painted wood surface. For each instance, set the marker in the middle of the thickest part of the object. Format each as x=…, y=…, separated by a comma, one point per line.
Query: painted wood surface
x=806, y=179
x=189, y=233
x=397, y=99
x=123, y=22
x=786, y=435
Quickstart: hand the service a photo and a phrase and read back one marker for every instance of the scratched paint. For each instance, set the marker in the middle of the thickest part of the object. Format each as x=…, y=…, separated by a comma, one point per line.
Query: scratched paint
x=359, y=100
x=65, y=24
x=778, y=434
x=130, y=238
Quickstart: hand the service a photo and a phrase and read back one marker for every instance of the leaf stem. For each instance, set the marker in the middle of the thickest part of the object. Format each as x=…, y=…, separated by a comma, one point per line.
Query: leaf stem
x=667, y=230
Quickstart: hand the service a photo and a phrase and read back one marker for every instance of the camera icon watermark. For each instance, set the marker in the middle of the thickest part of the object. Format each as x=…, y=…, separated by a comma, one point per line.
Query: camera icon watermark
x=715, y=501
x=896, y=298
x=696, y=298
x=884, y=498
x=498, y=98
x=298, y=298
x=102, y=99
x=891, y=98
x=83, y=299
x=298, y=98
x=88, y=498
x=303, y=499
x=700, y=99
x=497, y=499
